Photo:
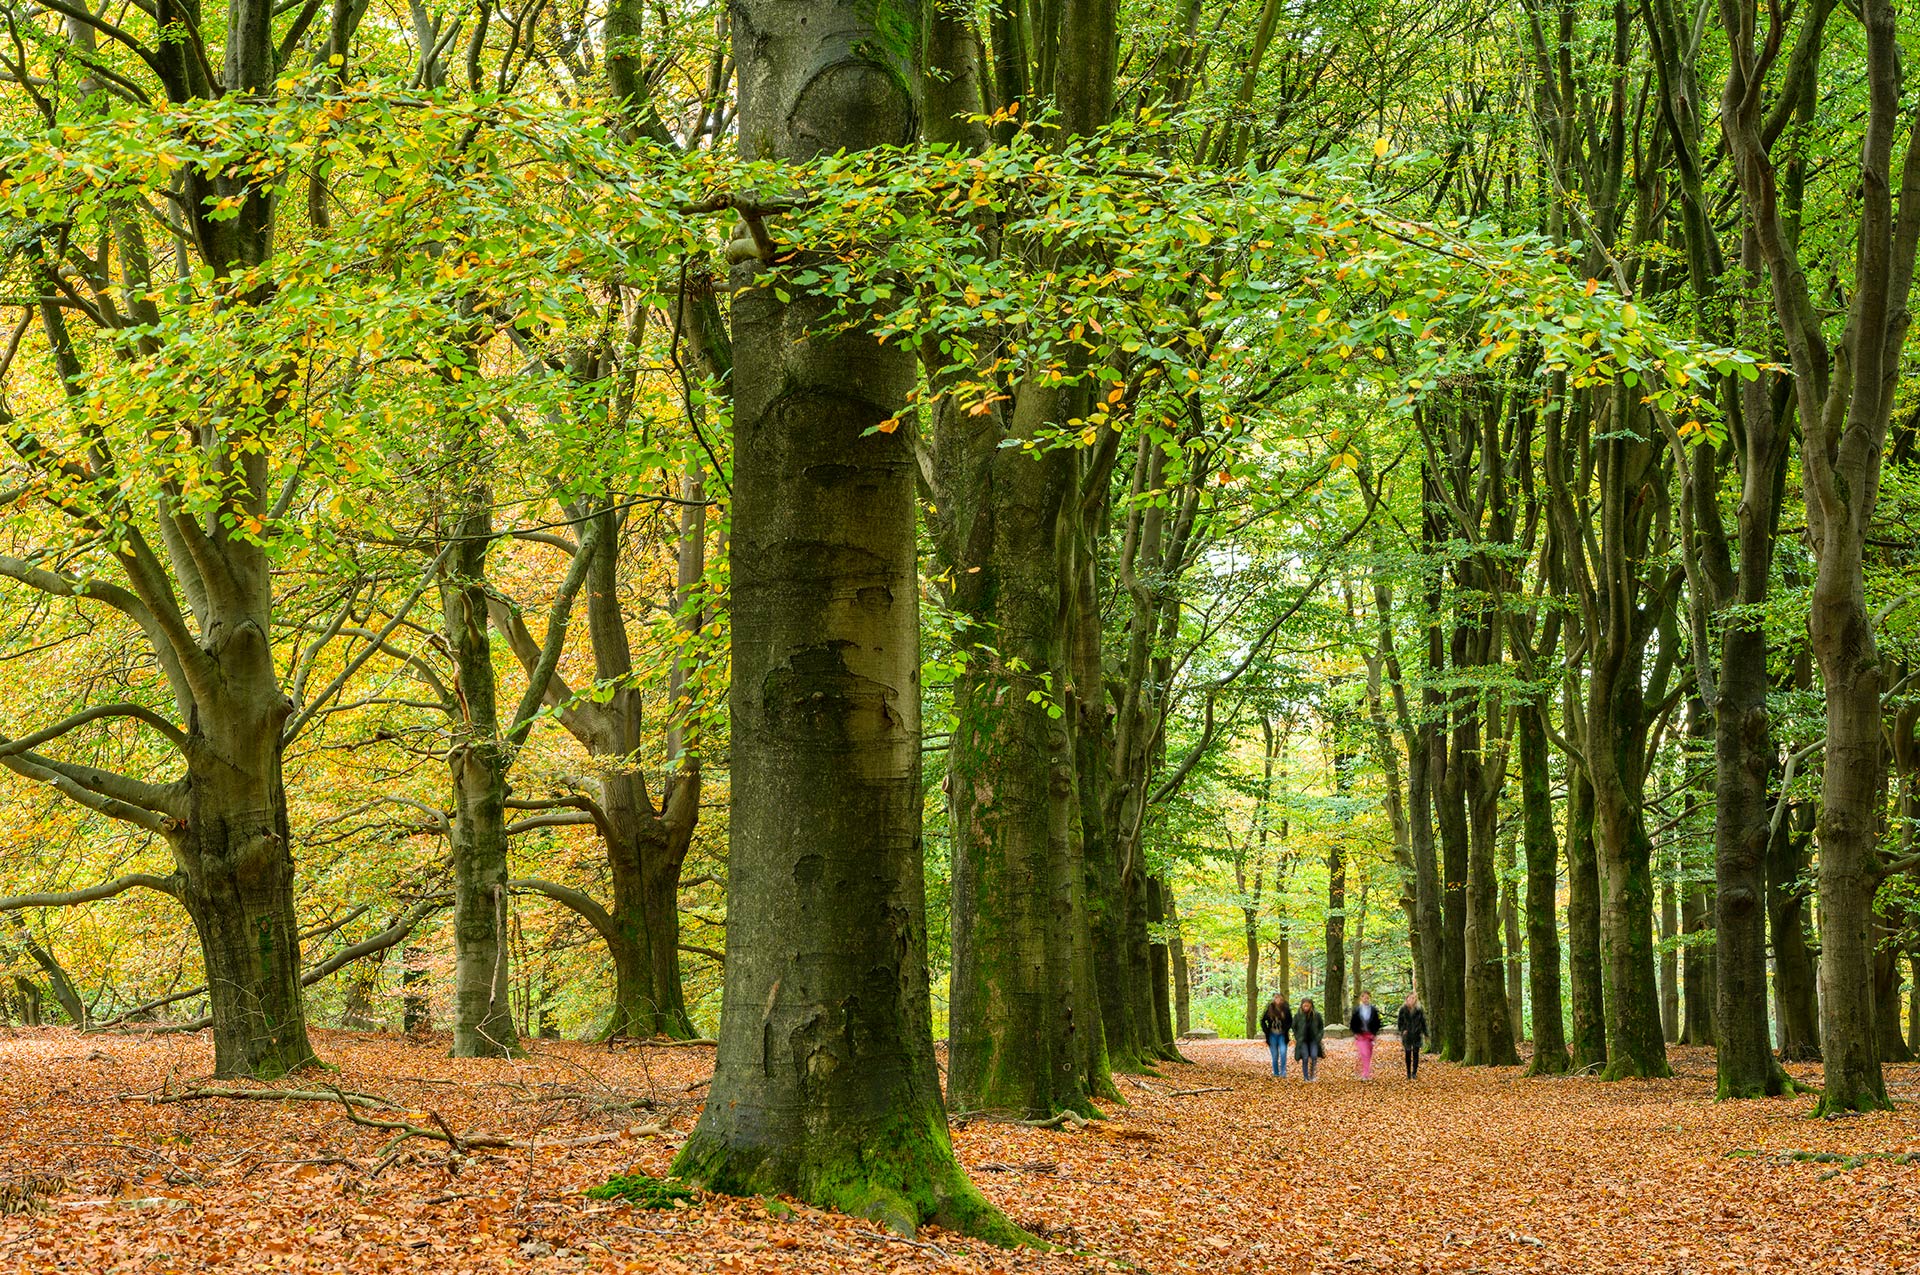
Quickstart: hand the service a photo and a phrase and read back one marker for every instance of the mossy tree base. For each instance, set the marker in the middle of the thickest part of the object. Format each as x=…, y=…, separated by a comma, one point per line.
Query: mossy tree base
x=1556, y=1062
x=904, y=1179
x=1637, y=1069
x=1859, y=1102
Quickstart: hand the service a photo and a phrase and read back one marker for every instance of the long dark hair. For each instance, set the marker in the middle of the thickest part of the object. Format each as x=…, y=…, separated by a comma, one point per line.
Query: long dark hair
x=1306, y=1005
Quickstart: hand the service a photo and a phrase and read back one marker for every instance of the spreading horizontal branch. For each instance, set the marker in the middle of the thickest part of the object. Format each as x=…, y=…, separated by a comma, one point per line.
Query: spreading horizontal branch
x=167, y=885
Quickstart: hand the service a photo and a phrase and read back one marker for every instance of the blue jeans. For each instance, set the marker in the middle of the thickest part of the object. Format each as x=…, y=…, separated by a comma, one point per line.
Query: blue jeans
x=1277, y=1046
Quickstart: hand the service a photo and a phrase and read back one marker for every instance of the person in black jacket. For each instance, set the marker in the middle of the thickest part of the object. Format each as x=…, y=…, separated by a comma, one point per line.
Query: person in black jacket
x=1365, y=1023
x=1309, y=1037
x=1413, y=1033
x=1277, y=1023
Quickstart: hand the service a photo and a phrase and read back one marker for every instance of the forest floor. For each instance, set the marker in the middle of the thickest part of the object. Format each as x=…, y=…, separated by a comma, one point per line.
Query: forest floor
x=1214, y=1166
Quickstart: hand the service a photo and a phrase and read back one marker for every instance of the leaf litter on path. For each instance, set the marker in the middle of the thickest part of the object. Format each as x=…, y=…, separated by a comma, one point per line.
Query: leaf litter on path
x=1214, y=1166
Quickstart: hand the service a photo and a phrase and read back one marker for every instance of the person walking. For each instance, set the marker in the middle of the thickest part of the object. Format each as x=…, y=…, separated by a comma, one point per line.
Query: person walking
x=1365, y=1022
x=1277, y=1023
x=1309, y=1039
x=1412, y=1023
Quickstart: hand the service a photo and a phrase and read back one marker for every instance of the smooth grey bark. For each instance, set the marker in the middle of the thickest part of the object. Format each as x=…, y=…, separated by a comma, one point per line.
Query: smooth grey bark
x=825, y=1085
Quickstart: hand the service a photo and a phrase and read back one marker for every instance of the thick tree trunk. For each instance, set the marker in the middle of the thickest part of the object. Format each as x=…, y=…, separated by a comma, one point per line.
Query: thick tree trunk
x=482, y=1011
x=237, y=879
x=1849, y=826
x=1636, y=1046
x=1543, y=874
x=825, y=1085
x=1426, y=870
x=1016, y=1001
x=1450, y=806
x=1584, y=966
x=645, y=852
x=479, y=761
x=1744, y=758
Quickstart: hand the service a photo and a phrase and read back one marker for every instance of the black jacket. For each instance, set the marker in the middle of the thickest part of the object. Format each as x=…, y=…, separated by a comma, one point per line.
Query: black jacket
x=1413, y=1025
x=1276, y=1021
x=1365, y=1020
x=1308, y=1027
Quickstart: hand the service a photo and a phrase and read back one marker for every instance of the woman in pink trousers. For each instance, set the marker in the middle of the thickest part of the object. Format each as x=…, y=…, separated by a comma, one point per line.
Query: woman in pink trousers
x=1365, y=1023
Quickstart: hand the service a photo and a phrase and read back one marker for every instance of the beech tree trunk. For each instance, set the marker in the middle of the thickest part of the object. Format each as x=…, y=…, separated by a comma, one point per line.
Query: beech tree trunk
x=1584, y=967
x=1795, y=986
x=1543, y=879
x=1334, y=995
x=1510, y=929
x=1450, y=806
x=1489, y=1028
x=1018, y=1002
x=1669, y=956
x=825, y=1085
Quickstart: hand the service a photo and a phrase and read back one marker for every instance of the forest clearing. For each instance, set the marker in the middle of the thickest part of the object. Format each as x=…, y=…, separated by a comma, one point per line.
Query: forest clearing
x=1210, y=1167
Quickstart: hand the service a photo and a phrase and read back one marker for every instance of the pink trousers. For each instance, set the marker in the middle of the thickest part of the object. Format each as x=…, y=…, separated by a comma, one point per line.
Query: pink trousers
x=1363, y=1052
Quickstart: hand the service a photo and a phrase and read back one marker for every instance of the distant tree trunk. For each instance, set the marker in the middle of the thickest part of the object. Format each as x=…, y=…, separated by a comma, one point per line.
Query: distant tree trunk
x=1160, y=960
x=1360, y=940
x=1887, y=974
x=29, y=1000
x=825, y=1085
x=479, y=761
x=1795, y=991
x=416, y=1012
x=1913, y=1003
x=1250, y=918
x=1615, y=750
x=1450, y=805
x=1334, y=994
x=1543, y=874
x=1182, y=976
x=1669, y=955
x=1510, y=926
x=58, y=980
x=1589, y=1040
x=1697, y=968
x=1489, y=1035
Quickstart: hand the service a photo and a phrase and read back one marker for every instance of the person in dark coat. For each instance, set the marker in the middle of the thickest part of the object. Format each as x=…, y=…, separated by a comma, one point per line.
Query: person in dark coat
x=1412, y=1023
x=1365, y=1024
x=1309, y=1039
x=1276, y=1022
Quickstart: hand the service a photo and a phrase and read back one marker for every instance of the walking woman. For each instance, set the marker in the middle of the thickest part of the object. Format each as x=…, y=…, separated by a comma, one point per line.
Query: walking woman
x=1365, y=1023
x=1277, y=1022
x=1413, y=1033
x=1309, y=1036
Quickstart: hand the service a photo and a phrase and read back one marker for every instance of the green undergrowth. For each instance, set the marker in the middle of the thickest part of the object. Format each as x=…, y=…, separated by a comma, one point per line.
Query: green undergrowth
x=639, y=1189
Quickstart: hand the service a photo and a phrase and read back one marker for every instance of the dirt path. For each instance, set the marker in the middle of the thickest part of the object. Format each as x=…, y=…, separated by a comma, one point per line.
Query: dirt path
x=1213, y=1166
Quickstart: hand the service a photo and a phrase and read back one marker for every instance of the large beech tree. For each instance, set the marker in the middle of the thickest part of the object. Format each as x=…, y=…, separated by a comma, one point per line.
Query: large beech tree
x=825, y=1085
